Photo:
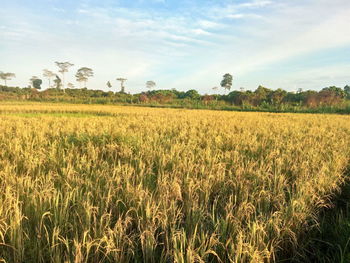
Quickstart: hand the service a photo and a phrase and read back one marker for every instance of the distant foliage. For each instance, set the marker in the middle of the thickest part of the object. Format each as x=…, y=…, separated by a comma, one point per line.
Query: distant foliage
x=226, y=82
x=37, y=83
x=83, y=74
x=326, y=100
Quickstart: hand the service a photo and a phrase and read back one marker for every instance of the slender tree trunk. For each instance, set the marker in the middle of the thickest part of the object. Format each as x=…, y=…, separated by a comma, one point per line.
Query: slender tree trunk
x=49, y=82
x=63, y=86
x=5, y=80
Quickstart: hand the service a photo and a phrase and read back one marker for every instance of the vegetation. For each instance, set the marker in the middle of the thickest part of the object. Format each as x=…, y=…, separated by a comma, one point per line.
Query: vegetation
x=63, y=68
x=327, y=100
x=150, y=84
x=6, y=76
x=83, y=74
x=226, y=82
x=35, y=82
x=122, y=81
x=97, y=183
x=49, y=75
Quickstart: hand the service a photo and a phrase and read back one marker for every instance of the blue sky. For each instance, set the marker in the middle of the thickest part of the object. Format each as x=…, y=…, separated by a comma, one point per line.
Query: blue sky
x=182, y=44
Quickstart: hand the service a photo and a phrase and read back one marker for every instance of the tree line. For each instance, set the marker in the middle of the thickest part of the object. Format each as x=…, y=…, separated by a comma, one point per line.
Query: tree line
x=260, y=97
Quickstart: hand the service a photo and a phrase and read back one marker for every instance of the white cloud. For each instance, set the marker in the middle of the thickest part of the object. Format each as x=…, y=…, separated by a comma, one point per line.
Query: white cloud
x=199, y=31
x=206, y=24
x=236, y=16
x=254, y=4
x=244, y=15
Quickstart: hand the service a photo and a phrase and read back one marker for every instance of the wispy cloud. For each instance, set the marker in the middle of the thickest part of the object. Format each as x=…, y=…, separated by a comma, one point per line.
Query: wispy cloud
x=255, y=4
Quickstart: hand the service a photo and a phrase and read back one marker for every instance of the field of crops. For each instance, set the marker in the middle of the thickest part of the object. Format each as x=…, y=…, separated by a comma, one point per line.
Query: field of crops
x=87, y=183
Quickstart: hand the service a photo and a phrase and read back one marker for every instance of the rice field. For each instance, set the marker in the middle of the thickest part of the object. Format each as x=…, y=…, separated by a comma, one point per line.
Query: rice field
x=88, y=183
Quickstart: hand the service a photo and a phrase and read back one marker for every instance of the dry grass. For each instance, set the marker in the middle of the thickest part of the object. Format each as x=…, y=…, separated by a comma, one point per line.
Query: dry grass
x=122, y=184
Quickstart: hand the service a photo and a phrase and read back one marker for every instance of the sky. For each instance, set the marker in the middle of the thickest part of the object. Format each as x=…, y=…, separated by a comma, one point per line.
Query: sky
x=181, y=44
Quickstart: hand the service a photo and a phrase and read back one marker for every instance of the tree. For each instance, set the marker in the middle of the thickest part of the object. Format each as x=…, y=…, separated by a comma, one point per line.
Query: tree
x=339, y=92
x=31, y=80
x=236, y=97
x=226, y=82
x=207, y=98
x=143, y=98
x=63, y=68
x=70, y=85
x=331, y=95
x=261, y=95
x=276, y=97
x=49, y=75
x=122, y=87
x=6, y=76
x=347, y=91
x=83, y=74
x=150, y=84
x=58, y=82
x=80, y=78
x=36, y=82
x=109, y=85
x=192, y=94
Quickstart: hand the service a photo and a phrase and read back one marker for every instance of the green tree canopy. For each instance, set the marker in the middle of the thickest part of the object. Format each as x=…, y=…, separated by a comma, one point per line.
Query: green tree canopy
x=36, y=82
x=226, y=82
x=192, y=94
x=83, y=74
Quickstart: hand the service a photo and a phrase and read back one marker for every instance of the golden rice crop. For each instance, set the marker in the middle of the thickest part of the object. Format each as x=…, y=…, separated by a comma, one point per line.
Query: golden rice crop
x=87, y=183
